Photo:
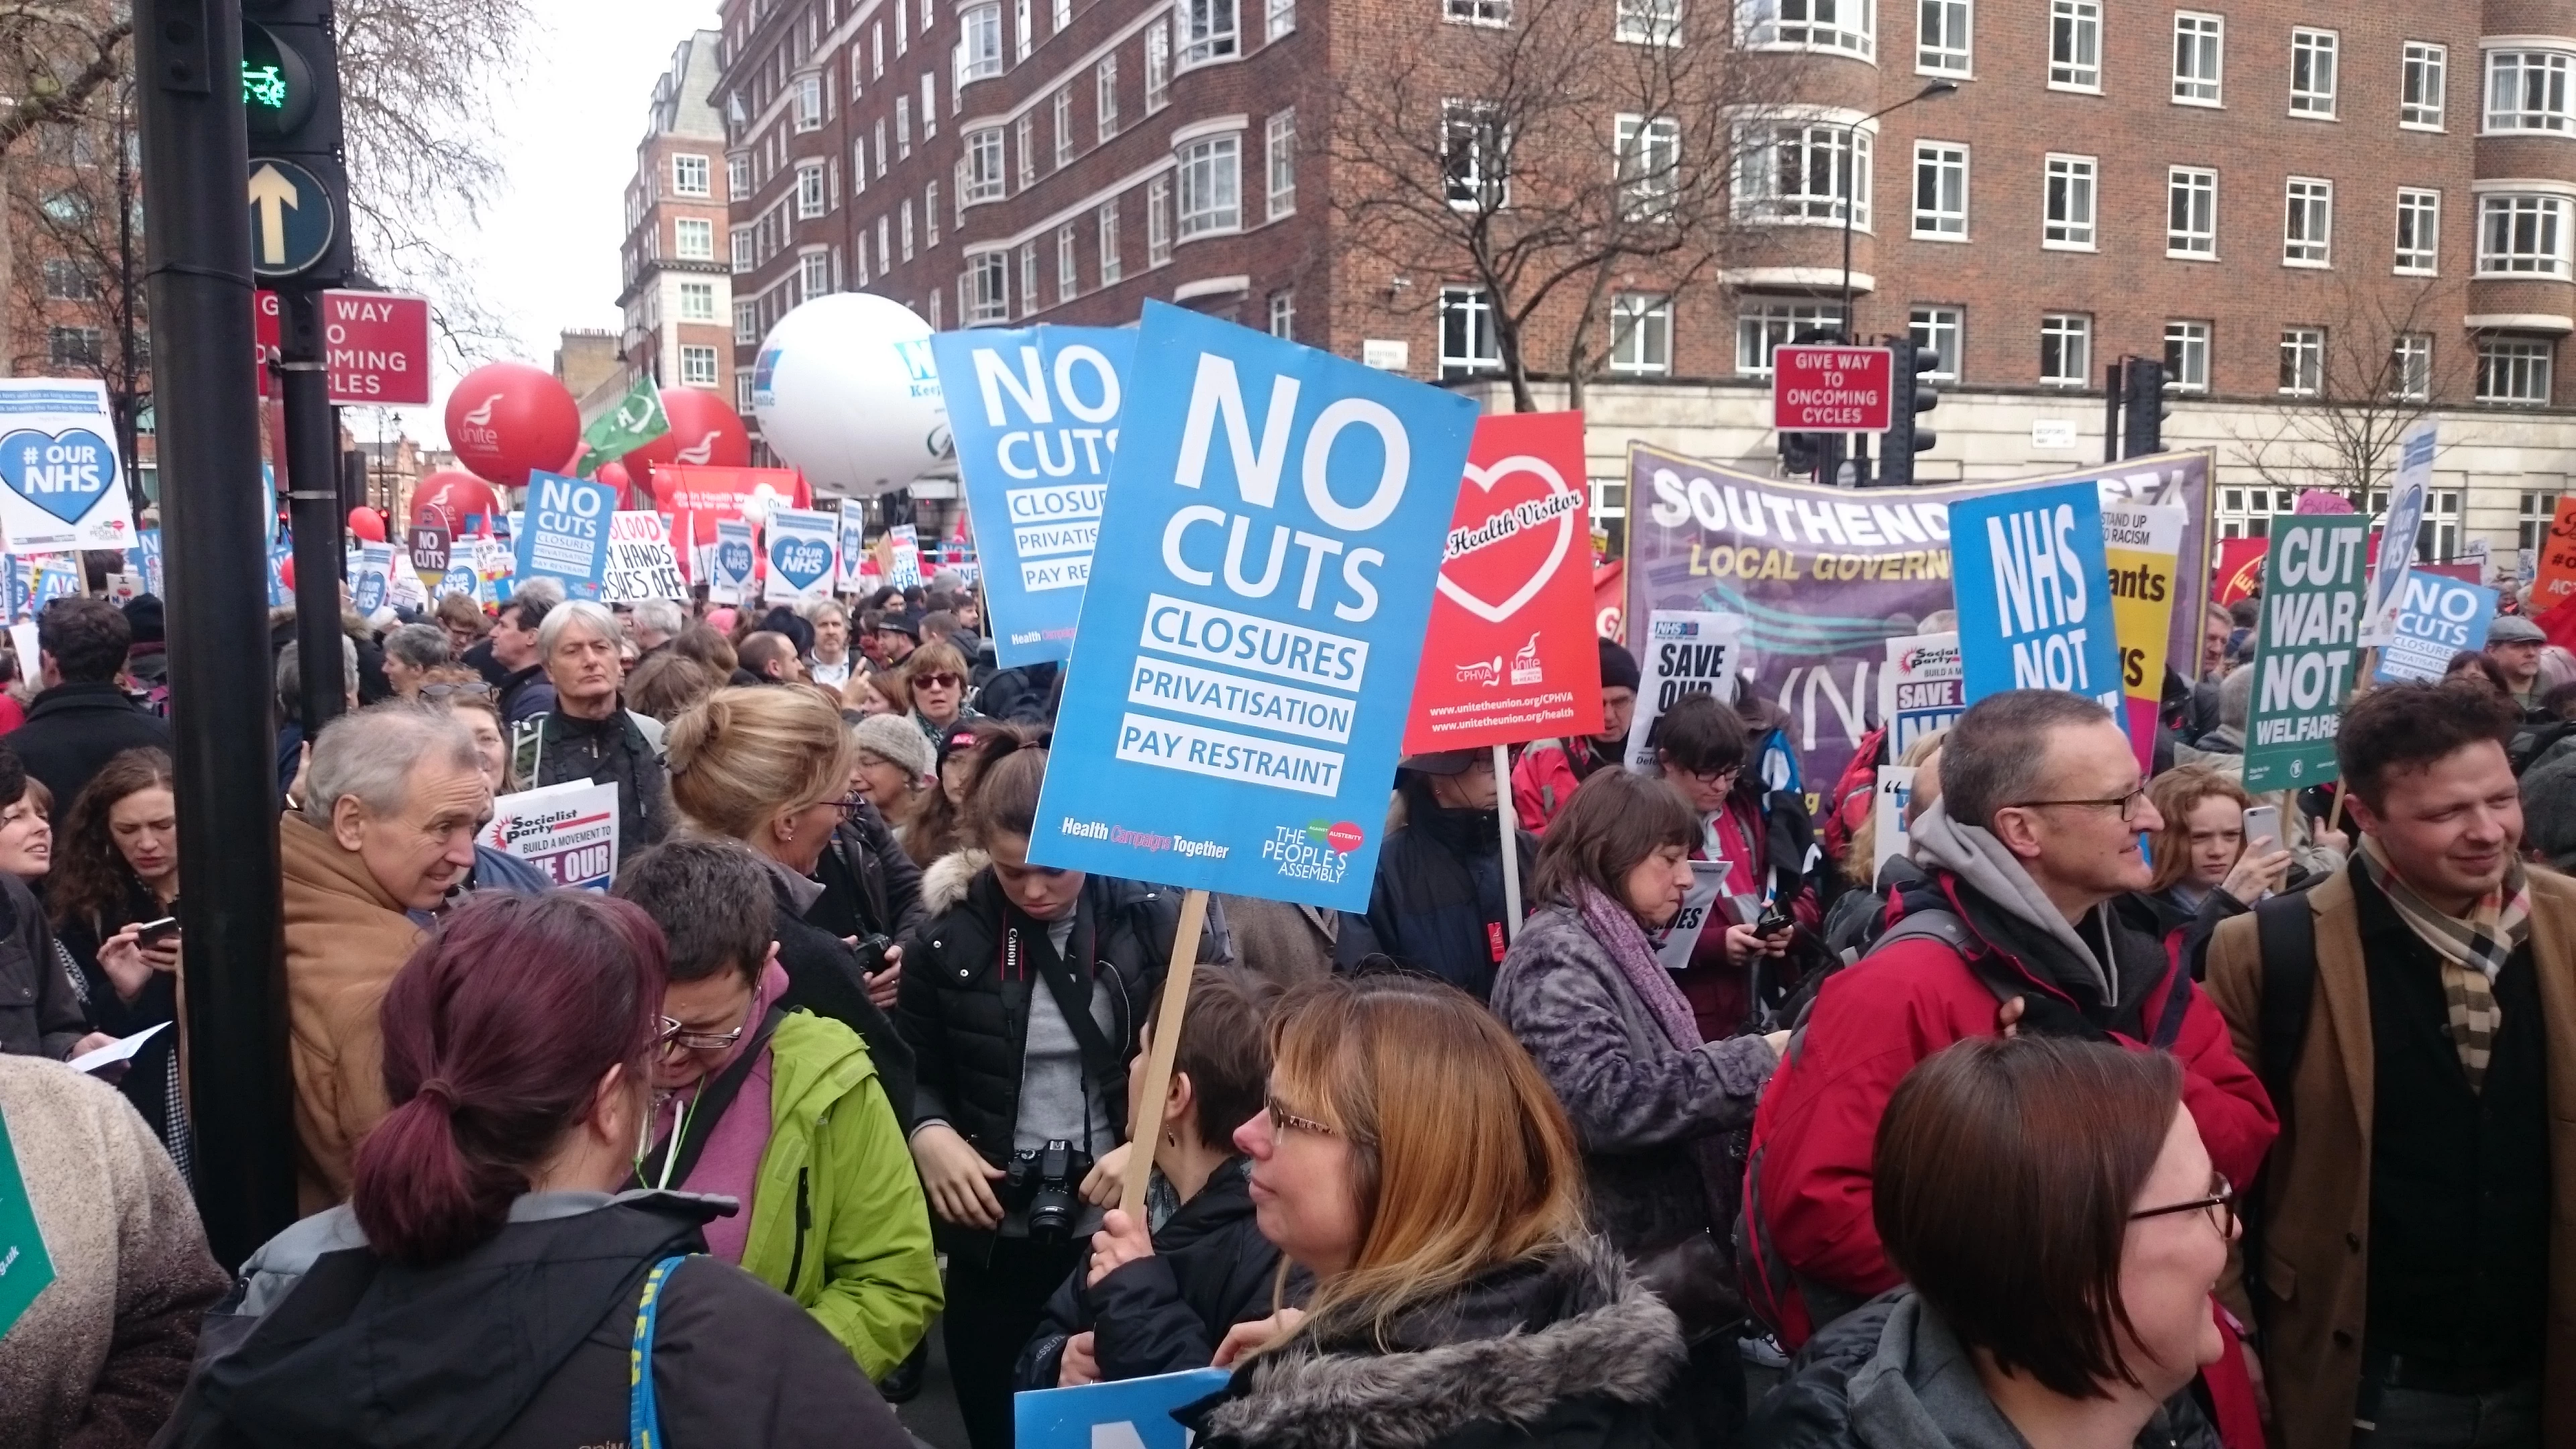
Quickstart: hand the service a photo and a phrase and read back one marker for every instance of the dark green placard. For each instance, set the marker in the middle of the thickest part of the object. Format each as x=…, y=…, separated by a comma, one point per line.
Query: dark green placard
x=2306, y=664
x=25, y=1267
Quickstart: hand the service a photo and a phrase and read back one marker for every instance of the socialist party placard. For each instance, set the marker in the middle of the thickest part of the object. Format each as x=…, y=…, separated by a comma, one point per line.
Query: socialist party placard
x=1511, y=656
x=1921, y=690
x=1238, y=690
x=2031, y=587
x=1036, y=420
x=565, y=535
x=61, y=486
x=2313, y=592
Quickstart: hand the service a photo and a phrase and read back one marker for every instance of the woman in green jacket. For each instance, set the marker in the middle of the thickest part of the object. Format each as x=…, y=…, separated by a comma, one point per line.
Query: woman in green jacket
x=781, y=1111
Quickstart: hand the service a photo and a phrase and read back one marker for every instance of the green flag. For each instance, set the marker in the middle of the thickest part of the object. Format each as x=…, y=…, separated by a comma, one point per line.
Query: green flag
x=636, y=420
x=25, y=1267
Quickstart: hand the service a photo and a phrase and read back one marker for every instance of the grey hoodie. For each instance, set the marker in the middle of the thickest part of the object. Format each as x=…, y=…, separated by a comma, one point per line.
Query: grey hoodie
x=1972, y=853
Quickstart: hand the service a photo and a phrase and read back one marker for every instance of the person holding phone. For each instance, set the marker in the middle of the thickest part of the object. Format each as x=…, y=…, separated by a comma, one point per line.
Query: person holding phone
x=1749, y=912
x=2218, y=852
x=114, y=900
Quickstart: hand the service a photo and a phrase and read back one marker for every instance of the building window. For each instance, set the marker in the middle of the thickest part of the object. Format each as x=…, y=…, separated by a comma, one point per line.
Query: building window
x=2303, y=361
x=2410, y=367
x=1208, y=31
x=1026, y=26
x=1063, y=129
x=1211, y=173
x=885, y=254
x=75, y=347
x=1280, y=150
x=903, y=128
x=881, y=146
x=859, y=166
x=1158, y=220
x=1941, y=330
x=1610, y=504
x=985, y=290
x=1281, y=20
x=1641, y=334
x=2438, y=535
x=905, y=216
x=1763, y=323
x=693, y=240
x=930, y=104
x=1809, y=174
x=1649, y=163
x=1847, y=26
x=1104, y=97
x=1028, y=279
x=1941, y=38
x=2533, y=520
x=692, y=176
x=1468, y=344
x=1068, y=265
x=1659, y=22
x=2075, y=45
x=979, y=43
x=2248, y=512
x=698, y=366
x=738, y=176
x=1475, y=156
x=815, y=273
x=744, y=258
x=2307, y=223
x=809, y=103
x=2065, y=349
x=876, y=51
x=2513, y=371
x=1477, y=12
x=2191, y=213
x=930, y=214
x=2198, y=42
x=697, y=301
x=1158, y=67
x=2419, y=231
x=1060, y=15
x=2312, y=73
x=2419, y=105
x=1112, y=266
x=1026, y=128
x=68, y=281
x=1941, y=190
x=809, y=191
x=1283, y=315
x=2187, y=356
x=2522, y=234
x=2069, y=222
x=746, y=323
x=982, y=177
x=2527, y=91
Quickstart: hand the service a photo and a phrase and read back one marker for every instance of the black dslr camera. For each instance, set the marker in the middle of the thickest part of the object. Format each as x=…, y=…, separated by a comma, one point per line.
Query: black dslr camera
x=1046, y=1183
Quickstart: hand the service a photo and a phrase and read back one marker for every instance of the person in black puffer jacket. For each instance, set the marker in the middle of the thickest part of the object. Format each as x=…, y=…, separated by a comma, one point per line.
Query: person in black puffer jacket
x=1005, y=1069
x=1136, y=1308
x=870, y=887
x=1437, y=905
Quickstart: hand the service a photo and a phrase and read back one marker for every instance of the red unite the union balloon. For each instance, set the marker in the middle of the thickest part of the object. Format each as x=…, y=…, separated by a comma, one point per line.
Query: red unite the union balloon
x=506, y=419
x=705, y=432
x=451, y=499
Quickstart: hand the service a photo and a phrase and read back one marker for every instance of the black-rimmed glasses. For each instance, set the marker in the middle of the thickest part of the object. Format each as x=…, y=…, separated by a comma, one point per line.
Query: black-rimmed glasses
x=2222, y=1197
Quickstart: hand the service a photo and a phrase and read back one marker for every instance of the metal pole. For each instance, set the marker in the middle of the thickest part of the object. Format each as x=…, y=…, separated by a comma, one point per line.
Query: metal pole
x=1851, y=190
x=197, y=240
x=313, y=505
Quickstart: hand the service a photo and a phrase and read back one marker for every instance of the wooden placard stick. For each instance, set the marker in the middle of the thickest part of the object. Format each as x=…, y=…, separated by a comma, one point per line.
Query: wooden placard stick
x=1145, y=1114
x=1511, y=841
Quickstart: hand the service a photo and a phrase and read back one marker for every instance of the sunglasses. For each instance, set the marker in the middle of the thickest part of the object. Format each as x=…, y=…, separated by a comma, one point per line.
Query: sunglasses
x=1281, y=1119
x=942, y=680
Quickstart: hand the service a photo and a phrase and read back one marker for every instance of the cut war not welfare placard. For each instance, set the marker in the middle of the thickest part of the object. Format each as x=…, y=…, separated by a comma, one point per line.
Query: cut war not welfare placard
x=2309, y=637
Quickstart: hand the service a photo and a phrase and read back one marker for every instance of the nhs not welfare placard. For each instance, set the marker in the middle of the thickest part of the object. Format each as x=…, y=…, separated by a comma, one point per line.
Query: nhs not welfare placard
x=2031, y=581
x=1035, y=414
x=1238, y=691
x=61, y=486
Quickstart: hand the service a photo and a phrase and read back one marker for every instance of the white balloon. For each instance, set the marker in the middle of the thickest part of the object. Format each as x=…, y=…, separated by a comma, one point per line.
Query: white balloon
x=846, y=391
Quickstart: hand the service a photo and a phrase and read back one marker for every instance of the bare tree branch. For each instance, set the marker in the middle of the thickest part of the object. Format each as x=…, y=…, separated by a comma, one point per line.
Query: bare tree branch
x=2364, y=392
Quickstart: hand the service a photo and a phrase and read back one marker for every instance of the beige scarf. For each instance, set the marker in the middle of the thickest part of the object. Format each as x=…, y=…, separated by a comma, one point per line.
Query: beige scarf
x=2473, y=950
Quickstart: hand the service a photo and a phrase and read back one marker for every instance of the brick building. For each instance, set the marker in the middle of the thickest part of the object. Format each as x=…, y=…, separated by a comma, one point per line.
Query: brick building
x=678, y=291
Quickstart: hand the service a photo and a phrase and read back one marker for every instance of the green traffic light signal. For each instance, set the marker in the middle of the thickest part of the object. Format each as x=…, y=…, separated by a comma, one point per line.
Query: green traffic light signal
x=277, y=84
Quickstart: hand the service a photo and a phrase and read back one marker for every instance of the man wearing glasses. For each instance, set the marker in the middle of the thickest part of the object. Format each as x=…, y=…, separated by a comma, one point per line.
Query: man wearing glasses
x=2028, y=919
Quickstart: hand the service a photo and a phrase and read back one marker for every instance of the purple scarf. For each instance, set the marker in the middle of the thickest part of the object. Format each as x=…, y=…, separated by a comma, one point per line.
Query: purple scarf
x=1616, y=928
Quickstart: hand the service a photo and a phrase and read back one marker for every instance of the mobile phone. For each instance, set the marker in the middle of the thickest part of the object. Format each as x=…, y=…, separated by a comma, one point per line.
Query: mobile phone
x=2262, y=824
x=1773, y=920
x=156, y=933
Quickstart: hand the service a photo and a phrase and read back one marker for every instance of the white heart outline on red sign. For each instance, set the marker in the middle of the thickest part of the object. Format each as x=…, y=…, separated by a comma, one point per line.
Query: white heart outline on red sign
x=1486, y=478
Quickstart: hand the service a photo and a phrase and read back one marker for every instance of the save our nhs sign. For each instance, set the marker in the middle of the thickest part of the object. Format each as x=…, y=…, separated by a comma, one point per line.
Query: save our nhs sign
x=1238, y=691
x=2032, y=584
x=1035, y=414
x=61, y=485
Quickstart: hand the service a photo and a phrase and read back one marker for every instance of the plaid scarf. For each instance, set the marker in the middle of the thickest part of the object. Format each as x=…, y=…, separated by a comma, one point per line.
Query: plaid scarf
x=2473, y=949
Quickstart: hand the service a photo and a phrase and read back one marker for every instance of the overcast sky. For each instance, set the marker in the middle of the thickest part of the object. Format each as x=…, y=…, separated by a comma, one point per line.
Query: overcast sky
x=546, y=251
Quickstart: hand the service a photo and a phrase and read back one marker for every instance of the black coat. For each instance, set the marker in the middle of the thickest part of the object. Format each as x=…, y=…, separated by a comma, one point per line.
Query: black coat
x=827, y=978
x=150, y=1081
x=870, y=887
x=40, y=1013
x=1211, y=1270
x=73, y=730
x=1437, y=905
x=556, y=749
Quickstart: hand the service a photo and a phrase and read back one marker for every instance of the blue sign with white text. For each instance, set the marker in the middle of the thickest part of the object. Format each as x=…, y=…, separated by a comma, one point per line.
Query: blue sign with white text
x=566, y=536
x=1123, y=1413
x=1035, y=416
x=1237, y=698
x=2032, y=584
x=2437, y=618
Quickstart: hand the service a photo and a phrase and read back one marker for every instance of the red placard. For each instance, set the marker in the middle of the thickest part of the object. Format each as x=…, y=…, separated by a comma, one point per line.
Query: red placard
x=1832, y=389
x=1511, y=653
x=697, y=499
x=2240, y=570
x=268, y=325
x=376, y=349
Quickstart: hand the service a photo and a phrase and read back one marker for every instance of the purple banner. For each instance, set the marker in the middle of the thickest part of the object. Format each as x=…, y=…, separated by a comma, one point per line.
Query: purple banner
x=1825, y=576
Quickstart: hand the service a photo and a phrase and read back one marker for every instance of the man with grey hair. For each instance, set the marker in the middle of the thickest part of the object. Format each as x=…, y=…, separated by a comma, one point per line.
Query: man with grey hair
x=590, y=734
x=2028, y=918
x=385, y=830
x=653, y=624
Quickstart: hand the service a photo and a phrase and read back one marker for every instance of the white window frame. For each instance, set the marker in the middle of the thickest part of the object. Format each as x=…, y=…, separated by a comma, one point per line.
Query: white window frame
x=738, y=176
x=1025, y=132
x=1209, y=171
x=1283, y=314
x=685, y=227
x=2419, y=232
x=1158, y=221
x=1475, y=156
x=746, y=324
x=1158, y=66
x=1480, y=343
x=2410, y=367
x=1763, y=324
x=983, y=169
x=699, y=366
x=1025, y=23
x=2303, y=362
x=1659, y=22
x=2525, y=234
x=929, y=105
x=1068, y=264
x=692, y=175
x=1279, y=21
x=2187, y=355
x=1941, y=167
x=2527, y=364
x=1834, y=27
x=1944, y=330
x=2423, y=83
x=1641, y=334
x=929, y=215
x=1493, y=13
x=2199, y=59
x=2191, y=213
x=903, y=128
x=1797, y=152
x=2315, y=55
x=1279, y=157
x=1113, y=265
x=979, y=43
x=2536, y=514
x=2529, y=90
x=1063, y=118
x=2307, y=222
x=2070, y=203
x=2075, y=46
x=744, y=258
x=1059, y=16
x=984, y=291
x=881, y=146
x=1211, y=30
x=809, y=102
x=1647, y=154
x=814, y=273
x=1104, y=97
x=809, y=190
x=1945, y=38
x=2072, y=332
x=1029, y=303
x=697, y=301
x=904, y=216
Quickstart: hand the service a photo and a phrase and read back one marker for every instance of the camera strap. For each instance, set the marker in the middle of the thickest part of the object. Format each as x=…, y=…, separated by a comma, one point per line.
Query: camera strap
x=698, y=1122
x=1099, y=1058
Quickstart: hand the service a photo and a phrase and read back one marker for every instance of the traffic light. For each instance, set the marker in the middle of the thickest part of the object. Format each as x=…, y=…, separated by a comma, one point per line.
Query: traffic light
x=2142, y=429
x=1910, y=395
x=290, y=79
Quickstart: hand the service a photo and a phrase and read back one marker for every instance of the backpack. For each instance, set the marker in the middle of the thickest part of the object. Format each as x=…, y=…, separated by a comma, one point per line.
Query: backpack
x=2285, y=939
x=1847, y=804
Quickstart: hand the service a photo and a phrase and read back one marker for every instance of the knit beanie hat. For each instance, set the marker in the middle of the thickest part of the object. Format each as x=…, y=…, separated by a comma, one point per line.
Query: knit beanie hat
x=895, y=739
x=1618, y=666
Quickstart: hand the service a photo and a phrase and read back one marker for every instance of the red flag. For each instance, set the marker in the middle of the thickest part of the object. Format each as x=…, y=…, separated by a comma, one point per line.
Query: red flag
x=2559, y=624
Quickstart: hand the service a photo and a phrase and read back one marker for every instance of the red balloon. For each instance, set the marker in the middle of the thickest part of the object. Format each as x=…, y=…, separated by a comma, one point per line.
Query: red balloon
x=506, y=419
x=450, y=498
x=367, y=523
x=615, y=476
x=286, y=571
x=705, y=432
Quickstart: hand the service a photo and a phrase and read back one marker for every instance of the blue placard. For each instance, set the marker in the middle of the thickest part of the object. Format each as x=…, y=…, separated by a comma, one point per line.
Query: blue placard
x=1126, y=1414
x=1237, y=697
x=1035, y=415
x=2033, y=590
x=279, y=553
x=566, y=533
x=2438, y=618
x=800, y=543
x=371, y=582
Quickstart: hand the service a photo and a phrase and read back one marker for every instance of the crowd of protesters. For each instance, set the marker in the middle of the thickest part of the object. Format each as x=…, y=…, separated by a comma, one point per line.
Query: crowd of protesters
x=2114, y=1107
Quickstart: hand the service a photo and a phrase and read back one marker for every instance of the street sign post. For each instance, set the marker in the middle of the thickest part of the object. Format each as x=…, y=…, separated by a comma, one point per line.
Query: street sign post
x=1823, y=389
x=376, y=349
x=292, y=220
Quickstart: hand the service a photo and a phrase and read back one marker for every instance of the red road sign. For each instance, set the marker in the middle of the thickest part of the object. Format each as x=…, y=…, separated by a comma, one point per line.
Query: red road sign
x=376, y=348
x=1817, y=389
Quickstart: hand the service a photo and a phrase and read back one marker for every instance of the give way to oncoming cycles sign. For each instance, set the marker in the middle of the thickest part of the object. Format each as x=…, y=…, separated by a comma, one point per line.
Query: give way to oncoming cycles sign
x=1238, y=691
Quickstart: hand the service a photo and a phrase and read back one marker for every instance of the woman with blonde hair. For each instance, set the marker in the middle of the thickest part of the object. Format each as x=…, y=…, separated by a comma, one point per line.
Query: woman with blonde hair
x=770, y=766
x=1414, y=1161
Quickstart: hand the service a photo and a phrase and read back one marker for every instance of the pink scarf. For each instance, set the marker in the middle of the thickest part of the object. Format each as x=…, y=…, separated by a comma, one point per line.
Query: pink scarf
x=1616, y=928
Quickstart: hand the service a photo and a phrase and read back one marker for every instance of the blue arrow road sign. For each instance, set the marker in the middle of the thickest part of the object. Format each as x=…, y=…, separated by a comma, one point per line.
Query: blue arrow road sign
x=291, y=219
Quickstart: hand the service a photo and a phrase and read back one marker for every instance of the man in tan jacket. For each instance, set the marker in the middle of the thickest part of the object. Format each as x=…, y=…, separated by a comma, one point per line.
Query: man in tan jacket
x=2412, y=1268
x=385, y=830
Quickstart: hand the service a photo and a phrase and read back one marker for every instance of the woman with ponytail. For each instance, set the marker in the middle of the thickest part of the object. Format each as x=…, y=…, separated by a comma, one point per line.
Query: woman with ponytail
x=487, y=1281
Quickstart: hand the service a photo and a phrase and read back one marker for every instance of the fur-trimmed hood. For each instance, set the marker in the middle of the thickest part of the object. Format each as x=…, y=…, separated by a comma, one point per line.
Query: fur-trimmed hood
x=1511, y=1349
x=943, y=885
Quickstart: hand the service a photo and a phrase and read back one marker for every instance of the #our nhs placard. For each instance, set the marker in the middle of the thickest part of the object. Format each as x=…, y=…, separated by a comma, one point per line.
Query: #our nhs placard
x=734, y=562
x=61, y=486
x=371, y=582
x=2032, y=584
x=1121, y=1414
x=566, y=533
x=1239, y=686
x=800, y=555
x=1035, y=414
